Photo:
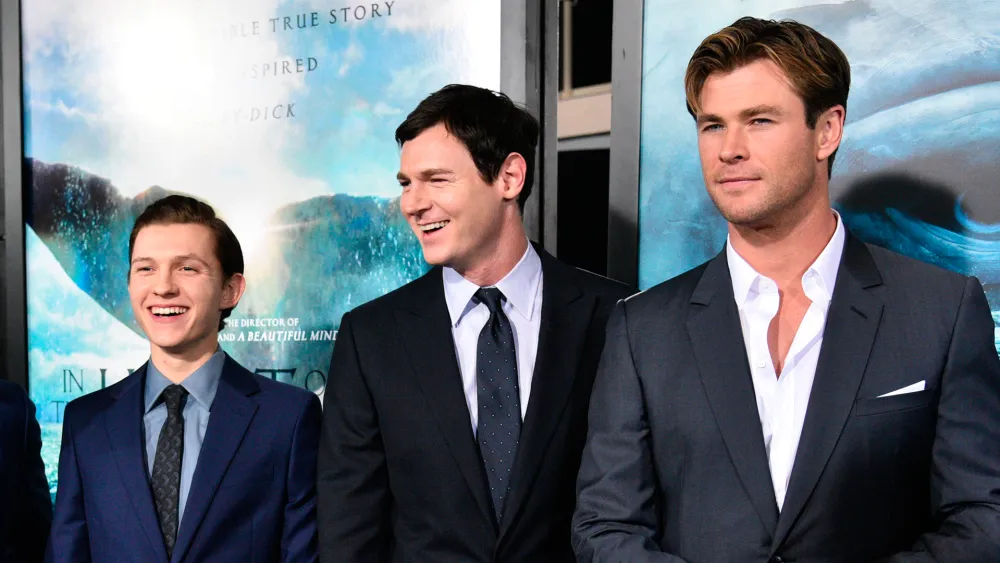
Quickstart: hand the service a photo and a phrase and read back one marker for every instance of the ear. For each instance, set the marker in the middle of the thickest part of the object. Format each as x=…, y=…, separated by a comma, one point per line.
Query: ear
x=830, y=130
x=511, y=176
x=232, y=291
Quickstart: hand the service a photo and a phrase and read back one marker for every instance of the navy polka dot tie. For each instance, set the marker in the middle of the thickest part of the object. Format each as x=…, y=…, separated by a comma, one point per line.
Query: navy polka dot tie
x=499, y=427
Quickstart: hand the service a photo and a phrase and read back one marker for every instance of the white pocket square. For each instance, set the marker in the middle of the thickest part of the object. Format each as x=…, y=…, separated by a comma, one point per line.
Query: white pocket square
x=918, y=386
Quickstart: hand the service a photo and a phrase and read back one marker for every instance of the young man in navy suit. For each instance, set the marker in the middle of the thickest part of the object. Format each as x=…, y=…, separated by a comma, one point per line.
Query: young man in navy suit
x=192, y=457
x=25, y=506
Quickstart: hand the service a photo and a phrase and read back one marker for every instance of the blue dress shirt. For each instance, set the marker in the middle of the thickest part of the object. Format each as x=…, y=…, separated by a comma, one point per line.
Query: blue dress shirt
x=201, y=386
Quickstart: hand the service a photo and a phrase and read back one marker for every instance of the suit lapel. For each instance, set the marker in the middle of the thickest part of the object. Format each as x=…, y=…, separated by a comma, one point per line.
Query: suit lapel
x=717, y=339
x=425, y=329
x=124, y=427
x=566, y=315
x=852, y=322
x=232, y=412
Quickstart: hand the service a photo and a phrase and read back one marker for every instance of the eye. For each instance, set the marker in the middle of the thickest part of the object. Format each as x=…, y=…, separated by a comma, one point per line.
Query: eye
x=711, y=127
x=761, y=121
x=143, y=269
x=437, y=180
x=404, y=184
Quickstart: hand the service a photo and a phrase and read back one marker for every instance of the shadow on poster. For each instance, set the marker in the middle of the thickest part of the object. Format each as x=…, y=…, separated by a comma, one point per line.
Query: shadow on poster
x=917, y=169
x=279, y=114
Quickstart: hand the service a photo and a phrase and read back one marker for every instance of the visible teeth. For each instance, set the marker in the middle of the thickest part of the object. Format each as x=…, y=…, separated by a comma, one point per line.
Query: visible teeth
x=433, y=226
x=169, y=310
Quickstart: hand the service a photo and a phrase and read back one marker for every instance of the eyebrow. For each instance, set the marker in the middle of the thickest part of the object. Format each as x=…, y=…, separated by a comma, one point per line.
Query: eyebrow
x=744, y=115
x=179, y=258
x=425, y=173
x=761, y=109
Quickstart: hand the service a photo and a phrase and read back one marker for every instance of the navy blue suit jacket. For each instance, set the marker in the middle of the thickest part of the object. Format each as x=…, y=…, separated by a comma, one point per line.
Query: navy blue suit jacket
x=25, y=505
x=252, y=499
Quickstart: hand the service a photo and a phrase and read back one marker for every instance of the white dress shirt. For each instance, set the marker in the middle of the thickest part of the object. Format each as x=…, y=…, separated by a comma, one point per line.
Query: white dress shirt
x=782, y=401
x=522, y=288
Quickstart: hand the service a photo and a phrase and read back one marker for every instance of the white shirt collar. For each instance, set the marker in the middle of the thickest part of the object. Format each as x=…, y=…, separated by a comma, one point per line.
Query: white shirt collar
x=519, y=286
x=824, y=268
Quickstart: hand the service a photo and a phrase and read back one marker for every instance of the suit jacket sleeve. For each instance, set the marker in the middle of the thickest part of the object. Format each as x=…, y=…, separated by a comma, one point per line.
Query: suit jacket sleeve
x=69, y=541
x=615, y=518
x=299, y=543
x=353, y=482
x=965, y=471
x=33, y=506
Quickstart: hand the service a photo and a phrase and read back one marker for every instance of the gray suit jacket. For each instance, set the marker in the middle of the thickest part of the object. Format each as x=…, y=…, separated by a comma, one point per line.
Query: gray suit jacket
x=675, y=467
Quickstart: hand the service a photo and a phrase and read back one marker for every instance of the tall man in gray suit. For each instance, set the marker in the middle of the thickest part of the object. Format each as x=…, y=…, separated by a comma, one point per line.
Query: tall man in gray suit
x=802, y=396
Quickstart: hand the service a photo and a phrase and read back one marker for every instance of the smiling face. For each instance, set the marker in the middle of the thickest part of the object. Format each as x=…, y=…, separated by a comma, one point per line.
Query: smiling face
x=457, y=216
x=177, y=288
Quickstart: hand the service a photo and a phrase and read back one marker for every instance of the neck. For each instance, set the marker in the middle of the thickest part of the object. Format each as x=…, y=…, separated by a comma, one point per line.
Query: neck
x=505, y=252
x=178, y=365
x=784, y=249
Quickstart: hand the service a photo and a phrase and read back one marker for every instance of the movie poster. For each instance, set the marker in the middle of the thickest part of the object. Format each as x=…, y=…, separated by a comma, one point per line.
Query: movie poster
x=917, y=168
x=280, y=114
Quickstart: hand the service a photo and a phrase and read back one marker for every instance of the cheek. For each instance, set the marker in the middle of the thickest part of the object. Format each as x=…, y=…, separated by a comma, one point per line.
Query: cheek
x=788, y=151
x=200, y=292
x=707, y=160
x=136, y=291
x=708, y=152
x=450, y=200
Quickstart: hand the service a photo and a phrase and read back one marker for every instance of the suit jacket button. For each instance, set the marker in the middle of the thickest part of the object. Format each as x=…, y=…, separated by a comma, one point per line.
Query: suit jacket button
x=776, y=559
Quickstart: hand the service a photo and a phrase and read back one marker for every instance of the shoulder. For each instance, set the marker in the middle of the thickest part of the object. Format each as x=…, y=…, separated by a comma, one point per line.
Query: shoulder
x=275, y=395
x=13, y=404
x=557, y=272
x=417, y=290
x=596, y=284
x=84, y=408
x=667, y=295
x=11, y=395
x=898, y=270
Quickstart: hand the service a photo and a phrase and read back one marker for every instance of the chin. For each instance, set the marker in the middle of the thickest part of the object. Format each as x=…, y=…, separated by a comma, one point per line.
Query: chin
x=743, y=211
x=436, y=257
x=168, y=344
x=167, y=339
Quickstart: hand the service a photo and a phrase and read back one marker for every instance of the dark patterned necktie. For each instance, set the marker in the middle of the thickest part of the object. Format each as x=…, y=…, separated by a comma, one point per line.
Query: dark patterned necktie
x=167, y=465
x=499, y=426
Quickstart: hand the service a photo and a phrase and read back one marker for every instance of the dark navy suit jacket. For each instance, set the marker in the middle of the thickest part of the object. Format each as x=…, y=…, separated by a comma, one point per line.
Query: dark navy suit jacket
x=25, y=505
x=253, y=495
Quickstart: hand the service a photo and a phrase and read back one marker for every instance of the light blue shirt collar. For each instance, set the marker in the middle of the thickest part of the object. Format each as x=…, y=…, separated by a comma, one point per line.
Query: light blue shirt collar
x=202, y=384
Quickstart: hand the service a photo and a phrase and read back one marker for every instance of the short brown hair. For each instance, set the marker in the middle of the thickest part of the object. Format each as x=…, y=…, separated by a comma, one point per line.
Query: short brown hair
x=184, y=210
x=816, y=68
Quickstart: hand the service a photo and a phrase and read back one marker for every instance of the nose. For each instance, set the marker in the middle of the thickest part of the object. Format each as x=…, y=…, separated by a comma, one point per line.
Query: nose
x=734, y=146
x=414, y=200
x=164, y=284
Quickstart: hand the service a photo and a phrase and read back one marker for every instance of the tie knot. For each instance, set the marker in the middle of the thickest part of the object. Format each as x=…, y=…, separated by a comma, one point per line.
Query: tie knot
x=491, y=297
x=172, y=397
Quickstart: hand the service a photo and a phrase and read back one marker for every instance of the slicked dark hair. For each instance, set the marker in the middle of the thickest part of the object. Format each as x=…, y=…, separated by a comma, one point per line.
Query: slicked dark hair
x=184, y=210
x=488, y=123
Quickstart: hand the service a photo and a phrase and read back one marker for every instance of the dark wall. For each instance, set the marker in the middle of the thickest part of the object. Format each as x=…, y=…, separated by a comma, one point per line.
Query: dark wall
x=583, y=209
